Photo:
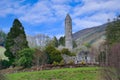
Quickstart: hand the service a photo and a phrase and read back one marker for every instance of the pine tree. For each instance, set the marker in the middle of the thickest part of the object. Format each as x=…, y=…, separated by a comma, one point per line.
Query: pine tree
x=55, y=41
x=15, y=41
x=62, y=41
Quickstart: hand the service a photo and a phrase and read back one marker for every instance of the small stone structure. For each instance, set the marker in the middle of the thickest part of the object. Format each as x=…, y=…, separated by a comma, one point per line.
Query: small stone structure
x=69, y=59
x=81, y=57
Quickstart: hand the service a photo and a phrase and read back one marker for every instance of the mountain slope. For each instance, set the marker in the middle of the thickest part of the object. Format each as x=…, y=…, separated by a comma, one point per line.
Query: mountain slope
x=90, y=35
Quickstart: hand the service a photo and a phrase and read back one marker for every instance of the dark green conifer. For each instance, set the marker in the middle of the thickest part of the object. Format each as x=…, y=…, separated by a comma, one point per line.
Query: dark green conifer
x=62, y=41
x=15, y=41
x=55, y=42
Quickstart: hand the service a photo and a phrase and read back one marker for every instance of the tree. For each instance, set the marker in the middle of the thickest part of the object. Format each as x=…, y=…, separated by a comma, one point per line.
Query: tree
x=15, y=41
x=112, y=70
x=62, y=41
x=102, y=57
x=53, y=54
x=25, y=57
x=55, y=41
x=40, y=58
x=4, y=64
x=74, y=44
x=114, y=59
x=67, y=52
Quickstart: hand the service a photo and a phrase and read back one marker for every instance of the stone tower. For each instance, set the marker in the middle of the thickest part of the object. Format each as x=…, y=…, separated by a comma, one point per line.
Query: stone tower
x=68, y=32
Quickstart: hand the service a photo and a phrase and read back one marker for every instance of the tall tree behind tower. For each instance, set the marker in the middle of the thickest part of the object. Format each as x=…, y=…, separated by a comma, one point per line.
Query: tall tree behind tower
x=15, y=41
x=55, y=41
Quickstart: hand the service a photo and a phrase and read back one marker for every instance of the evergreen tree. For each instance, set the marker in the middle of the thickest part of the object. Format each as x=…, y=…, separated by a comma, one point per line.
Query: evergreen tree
x=55, y=42
x=62, y=41
x=15, y=41
x=74, y=44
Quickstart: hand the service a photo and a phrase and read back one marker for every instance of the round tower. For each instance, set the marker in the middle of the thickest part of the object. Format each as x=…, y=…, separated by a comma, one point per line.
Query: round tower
x=68, y=32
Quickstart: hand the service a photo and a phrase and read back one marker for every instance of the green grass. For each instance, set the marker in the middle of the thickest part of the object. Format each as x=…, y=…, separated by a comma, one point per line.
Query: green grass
x=83, y=73
x=2, y=50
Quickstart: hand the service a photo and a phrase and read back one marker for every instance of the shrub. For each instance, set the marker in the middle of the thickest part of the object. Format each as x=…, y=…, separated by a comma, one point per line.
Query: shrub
x=71, y=62
x=4, y=64
x=62, y=62
x=83, y=62
x=67, y=52
x=53, y=54
x=25, y=57
x=40, y=58
x=55, y=63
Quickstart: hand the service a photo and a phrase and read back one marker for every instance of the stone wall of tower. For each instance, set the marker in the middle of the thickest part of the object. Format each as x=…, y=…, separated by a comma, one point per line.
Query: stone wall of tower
x=68, y=32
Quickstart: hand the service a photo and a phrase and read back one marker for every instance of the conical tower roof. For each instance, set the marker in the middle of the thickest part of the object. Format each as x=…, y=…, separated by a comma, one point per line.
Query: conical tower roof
x=68, y=17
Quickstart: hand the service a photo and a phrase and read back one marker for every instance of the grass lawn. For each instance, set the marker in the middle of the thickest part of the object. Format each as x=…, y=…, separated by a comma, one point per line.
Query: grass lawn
x=82, y=73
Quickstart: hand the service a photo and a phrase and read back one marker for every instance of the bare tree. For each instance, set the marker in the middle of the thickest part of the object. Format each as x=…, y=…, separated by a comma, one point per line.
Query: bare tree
x=111, y=63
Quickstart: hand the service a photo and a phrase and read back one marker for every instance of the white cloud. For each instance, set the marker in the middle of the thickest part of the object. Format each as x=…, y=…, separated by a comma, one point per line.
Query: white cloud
x=61, y=10
x=91, y=21
x=91, y=6
x=94, y=13
x=9, y=7
x=46, y=11
x=37, y=13
x=90, y=13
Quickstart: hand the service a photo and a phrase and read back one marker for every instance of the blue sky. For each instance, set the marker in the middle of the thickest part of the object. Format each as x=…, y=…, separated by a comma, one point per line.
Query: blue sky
x=47, y=16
